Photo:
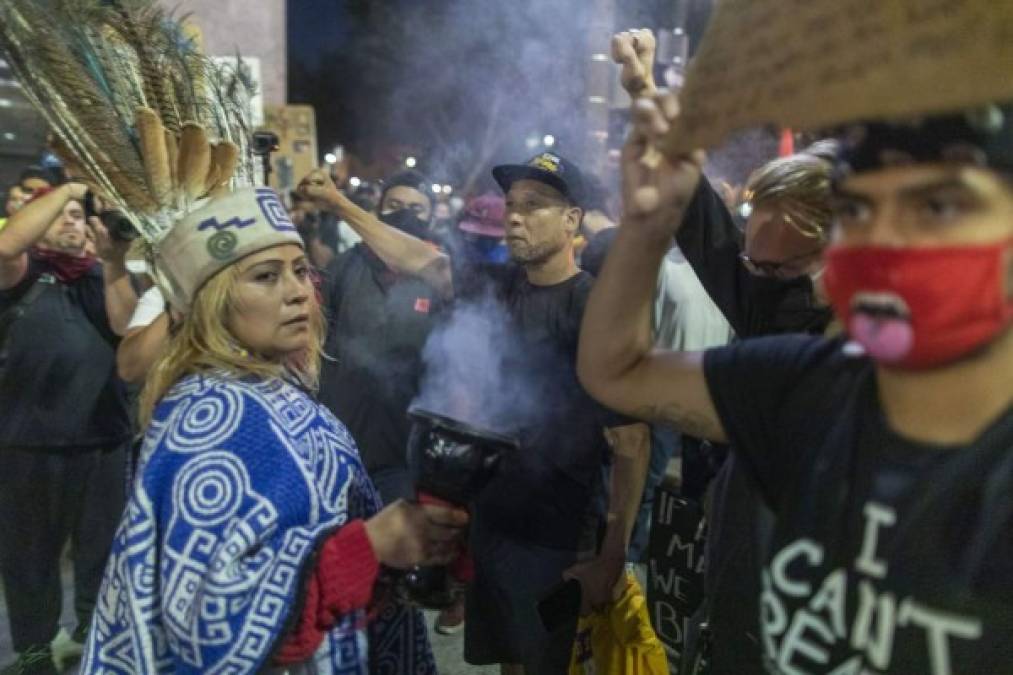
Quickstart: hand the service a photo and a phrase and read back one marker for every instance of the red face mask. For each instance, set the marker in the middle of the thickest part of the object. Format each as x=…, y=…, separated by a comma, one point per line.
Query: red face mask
x=915, y=308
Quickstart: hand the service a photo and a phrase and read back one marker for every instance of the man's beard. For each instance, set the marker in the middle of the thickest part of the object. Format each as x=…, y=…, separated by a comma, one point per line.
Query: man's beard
x=69, y=243
x=534, y=256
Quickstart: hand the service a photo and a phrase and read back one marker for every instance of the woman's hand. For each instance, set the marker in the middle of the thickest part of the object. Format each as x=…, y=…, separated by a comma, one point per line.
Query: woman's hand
x=404, y=534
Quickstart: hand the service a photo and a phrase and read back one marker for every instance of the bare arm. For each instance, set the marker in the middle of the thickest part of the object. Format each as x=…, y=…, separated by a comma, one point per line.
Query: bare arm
x=601, y=579
x=631, y=452
x=28, y=226
x=616, y=362
x=400, y=251
x=140, y=348
x=120, y=297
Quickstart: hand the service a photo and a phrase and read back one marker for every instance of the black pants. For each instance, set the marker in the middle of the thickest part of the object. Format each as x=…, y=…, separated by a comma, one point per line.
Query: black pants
x=46, y=498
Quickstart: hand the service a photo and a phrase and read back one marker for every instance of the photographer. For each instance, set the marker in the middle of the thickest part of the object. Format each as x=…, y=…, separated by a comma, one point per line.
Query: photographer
x=65, y=421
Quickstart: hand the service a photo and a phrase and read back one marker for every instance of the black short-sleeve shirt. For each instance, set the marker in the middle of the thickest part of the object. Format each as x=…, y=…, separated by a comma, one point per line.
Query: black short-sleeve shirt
x=378, y=323
x=546, y=492
x=888, y=555
x=58, y=384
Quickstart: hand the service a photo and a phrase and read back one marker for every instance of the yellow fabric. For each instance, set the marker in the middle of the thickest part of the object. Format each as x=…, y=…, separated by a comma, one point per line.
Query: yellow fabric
x=619, y=640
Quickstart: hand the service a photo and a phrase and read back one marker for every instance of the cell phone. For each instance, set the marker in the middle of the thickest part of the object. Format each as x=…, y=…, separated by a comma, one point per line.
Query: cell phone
x=560, y=605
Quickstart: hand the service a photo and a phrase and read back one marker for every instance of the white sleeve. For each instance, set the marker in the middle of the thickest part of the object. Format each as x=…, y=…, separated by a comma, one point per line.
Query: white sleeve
x=685, y=317
x=149, y=307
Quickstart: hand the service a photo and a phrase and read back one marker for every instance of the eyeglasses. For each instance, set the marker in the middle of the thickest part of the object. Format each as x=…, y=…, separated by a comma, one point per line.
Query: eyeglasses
x=786, y=269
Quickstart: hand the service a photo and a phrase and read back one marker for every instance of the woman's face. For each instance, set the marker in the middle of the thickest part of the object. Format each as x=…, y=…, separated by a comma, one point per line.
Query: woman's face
x=273, y=302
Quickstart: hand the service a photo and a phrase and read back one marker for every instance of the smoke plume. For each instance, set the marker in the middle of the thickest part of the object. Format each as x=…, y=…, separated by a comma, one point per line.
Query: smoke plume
x=479, y=370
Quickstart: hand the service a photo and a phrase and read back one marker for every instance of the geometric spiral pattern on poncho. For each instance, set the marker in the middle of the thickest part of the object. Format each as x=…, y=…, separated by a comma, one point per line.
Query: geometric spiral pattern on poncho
x=239, y=482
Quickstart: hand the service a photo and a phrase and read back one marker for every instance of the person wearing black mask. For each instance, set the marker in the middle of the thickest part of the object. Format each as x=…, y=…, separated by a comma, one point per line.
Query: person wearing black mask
x=378, y=322
x=763, y=282
x=407, y=204
x=763, y=279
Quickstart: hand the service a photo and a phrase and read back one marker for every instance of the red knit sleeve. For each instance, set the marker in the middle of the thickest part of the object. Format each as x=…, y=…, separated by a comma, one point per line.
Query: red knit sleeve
x=341, y=582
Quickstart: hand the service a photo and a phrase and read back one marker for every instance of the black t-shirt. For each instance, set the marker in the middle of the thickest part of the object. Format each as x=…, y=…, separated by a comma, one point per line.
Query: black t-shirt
x=58, y=385
x=593, y=257
x=377, y=325
x=555, y=482
x=887, y=555
x=327, y=230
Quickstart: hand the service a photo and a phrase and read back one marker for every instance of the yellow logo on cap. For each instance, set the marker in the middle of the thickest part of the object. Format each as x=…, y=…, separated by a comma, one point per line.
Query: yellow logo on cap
x=547, y=162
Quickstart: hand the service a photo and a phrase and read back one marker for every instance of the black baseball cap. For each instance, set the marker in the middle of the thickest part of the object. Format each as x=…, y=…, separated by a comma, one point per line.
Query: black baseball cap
x=548, y=168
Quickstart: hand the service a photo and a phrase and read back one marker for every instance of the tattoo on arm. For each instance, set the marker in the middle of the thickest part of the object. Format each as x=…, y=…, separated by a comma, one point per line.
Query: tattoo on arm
x=684, y=419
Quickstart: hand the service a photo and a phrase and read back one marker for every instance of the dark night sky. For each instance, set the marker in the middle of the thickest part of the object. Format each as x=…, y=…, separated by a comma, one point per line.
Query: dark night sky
x=445, y=78
x=314, y=26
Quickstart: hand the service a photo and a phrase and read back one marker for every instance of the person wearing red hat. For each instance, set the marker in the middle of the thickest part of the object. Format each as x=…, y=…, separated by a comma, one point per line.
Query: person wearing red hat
x=479, y=239
x=482, y=230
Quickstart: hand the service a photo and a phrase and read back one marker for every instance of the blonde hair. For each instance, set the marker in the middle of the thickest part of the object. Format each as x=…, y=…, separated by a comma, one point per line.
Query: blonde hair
x=203, y=343
x=798, y=185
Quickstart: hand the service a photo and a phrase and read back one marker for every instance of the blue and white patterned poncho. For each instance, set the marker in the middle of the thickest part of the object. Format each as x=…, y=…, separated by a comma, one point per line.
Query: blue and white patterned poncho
x=239, y=483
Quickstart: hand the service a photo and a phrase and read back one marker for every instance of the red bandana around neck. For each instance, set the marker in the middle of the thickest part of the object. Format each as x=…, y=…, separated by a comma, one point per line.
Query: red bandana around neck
x=67, y=268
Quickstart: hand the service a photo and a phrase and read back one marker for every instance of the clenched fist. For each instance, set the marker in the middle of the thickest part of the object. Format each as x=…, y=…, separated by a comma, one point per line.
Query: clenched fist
x=656, y=188
x=318, y=187
x=634, y=51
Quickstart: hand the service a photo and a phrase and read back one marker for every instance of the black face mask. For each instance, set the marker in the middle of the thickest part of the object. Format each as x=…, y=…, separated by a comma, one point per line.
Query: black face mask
x=406, y=221
x=788, y=305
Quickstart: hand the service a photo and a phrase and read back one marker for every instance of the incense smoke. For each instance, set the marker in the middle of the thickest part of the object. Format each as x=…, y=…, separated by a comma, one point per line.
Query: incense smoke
x=480, y=370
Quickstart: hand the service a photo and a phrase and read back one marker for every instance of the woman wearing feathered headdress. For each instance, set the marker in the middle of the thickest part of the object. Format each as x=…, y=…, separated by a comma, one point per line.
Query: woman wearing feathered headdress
x=252, y=537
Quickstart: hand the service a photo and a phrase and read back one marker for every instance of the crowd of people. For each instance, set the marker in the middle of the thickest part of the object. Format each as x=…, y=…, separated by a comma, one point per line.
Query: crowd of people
x=224, y=446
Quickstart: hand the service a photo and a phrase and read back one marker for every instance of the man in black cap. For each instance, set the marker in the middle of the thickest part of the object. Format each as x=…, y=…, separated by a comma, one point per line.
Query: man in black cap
x=542, y=512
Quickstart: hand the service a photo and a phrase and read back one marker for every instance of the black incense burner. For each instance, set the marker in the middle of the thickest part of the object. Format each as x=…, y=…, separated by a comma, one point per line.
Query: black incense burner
x=452, y=463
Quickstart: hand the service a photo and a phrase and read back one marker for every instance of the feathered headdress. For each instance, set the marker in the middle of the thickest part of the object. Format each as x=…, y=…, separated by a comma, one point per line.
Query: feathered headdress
x=152, y=122
x=155, y=126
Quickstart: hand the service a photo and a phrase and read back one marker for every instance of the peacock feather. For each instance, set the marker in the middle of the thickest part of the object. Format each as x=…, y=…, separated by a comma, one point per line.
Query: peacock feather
x=155, y=126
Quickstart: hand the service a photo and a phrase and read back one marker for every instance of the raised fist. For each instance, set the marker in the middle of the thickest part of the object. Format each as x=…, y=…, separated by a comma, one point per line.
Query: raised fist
x=318, y=187
x=634, y=51
x=656, y=188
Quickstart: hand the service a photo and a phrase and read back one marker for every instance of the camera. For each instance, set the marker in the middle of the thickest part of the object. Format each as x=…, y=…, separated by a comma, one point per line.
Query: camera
x=116, y=223
x=264, y=142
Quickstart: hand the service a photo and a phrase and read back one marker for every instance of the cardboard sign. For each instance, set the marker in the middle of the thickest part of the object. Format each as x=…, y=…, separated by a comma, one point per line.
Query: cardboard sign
x=296, y=126
x=675, y=569
x=807, y=64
